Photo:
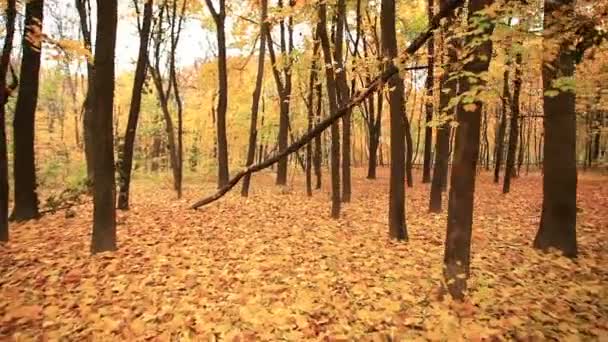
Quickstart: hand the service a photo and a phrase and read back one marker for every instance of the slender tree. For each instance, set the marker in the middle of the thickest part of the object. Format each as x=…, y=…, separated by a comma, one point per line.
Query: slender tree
x=396, y=214
x=558, y=218
x=104, y=214
x=429, y=107
x=84, y=13
x=448, y=90
x=343, y=97
x=333, y=107
x=26, y=199
x=126, y=163
x=502, y=125
x=253, y=131
x=318, y=151
x=513, y=127
x=219, y=17
x=283, y=79
x=5, y=58
x=311, y=115
x=466, y=153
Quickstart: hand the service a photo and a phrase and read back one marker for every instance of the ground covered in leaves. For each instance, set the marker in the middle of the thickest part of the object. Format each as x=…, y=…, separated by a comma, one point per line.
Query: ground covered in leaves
x=276, y=267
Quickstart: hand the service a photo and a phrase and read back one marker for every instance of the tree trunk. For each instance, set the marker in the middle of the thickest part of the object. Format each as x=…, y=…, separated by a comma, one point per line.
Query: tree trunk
x=396, y=214
x=502, y=126
x=26, y=199
x=558, y=219
x=5, y=58
x=219, y=17
x=343, y=98
x=442, y=147
x=429, y=107
x=253, y=132
x=104, y=214
x=466, y=152
x=134, y=109
x=318, y=153
x=514, y=127
x=285, y=94
x=84, y=13
x=333, y=107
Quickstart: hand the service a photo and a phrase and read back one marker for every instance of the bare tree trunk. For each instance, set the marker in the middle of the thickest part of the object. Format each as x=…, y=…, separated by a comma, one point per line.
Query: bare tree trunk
x=26, y=198
x=104, y=214
x=558, y=218
x=84, y=13
x=333, y=107
x=253, y=132
x=442, y=149
x=343, y=97
x=462, y=190
x=311, y=116
x=5, y=59
x=396, y=214
x=514, y=127
x=502, y=126
x=126, y=164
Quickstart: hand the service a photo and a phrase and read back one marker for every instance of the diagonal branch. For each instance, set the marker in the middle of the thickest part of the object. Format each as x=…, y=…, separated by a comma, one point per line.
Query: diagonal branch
x=327, y=122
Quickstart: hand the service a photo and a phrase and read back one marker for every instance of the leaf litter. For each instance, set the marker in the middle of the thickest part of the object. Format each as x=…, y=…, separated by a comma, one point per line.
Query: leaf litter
x=275, y=266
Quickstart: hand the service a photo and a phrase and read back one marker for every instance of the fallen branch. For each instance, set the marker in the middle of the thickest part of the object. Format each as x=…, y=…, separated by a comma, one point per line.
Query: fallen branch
x=327, y=122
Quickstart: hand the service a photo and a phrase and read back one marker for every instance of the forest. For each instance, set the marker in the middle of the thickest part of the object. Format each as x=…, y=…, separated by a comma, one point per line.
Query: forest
x=304, y=170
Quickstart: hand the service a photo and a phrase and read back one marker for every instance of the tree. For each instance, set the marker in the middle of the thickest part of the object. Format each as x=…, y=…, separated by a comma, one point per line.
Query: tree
x=134, y=109
x=430, y=84
x=558, y=218
x=84, y=13
x=5, y=58
x=466, y=152
x=502, y=126
x=26, y=199
x=104, y=214
x=333, y=107
x=343, y=97
x=448, y=90
x=375, y=85
x=219, y=17
x=283, y=80
x=163, y=93
x=396, y=213
x=312, y=80
x=514, y=126
x=253, y=132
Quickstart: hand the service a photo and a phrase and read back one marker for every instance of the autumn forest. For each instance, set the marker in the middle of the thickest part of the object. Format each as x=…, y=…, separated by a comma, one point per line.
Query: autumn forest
x=303, y=170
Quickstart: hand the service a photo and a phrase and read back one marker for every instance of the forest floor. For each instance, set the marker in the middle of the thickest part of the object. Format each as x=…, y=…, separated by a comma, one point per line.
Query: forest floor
x=276, y=267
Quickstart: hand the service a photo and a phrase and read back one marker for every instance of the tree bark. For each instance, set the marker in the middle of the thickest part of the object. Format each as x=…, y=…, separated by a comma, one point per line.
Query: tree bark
x=26, y=199
x=5, y=59
x=284, y=91
x=442, y=148
x=502, y=126
x=343, y=97
x=558, y=218
x=134, y=109
x=104, y=214
x=514, y=127
x=429, y=108
x=84, y=13
x=318, y=152
x=466, y=153
x=219, y=17
x=253, y=132
x=333, y=107
x=396, y=214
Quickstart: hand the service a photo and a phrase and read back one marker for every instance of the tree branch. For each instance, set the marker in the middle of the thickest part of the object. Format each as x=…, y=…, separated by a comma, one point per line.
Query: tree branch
x=327, y=122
